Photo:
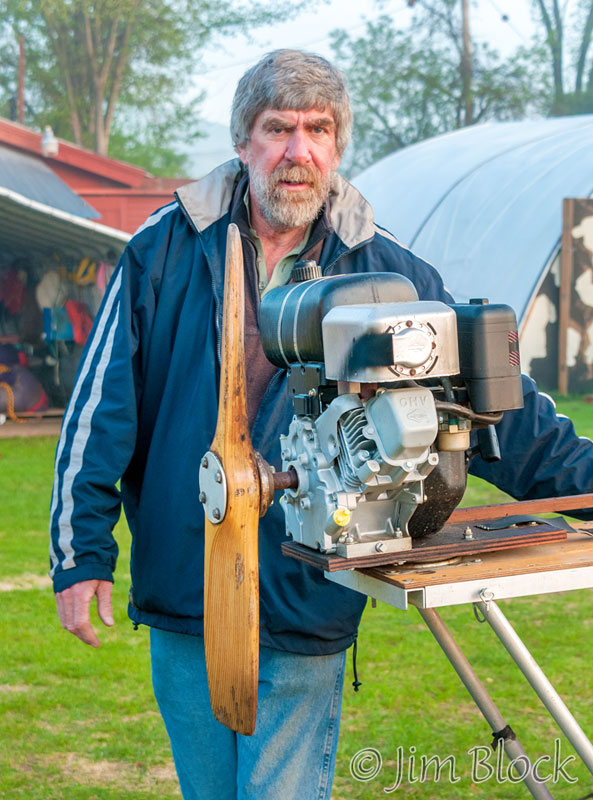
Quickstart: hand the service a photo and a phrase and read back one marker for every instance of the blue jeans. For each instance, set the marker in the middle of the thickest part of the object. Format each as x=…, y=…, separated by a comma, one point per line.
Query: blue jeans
x=291, y=755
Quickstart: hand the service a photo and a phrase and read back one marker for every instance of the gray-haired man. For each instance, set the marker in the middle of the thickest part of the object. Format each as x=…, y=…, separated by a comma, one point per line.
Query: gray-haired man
x=144, y=409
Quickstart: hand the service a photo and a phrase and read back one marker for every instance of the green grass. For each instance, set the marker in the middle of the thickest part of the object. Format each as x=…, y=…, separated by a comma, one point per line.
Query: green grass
x=75, y=723
x=82, y=724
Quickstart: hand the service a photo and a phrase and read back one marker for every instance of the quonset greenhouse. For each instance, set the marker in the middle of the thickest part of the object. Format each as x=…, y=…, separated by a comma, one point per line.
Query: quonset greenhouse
x=484, y=205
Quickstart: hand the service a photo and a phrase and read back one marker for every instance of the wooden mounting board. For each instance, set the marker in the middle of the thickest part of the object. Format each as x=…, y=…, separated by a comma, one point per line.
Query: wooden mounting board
x=540, y=506
x=576, y=551
x=542, y=569
x=447, y=543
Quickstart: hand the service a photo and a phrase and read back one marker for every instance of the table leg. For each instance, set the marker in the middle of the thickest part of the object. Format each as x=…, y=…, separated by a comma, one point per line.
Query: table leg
x=461, y=665
x=540, y=683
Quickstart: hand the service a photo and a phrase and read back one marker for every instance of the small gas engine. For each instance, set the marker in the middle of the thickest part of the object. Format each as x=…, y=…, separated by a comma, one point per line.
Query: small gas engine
x=386, y=389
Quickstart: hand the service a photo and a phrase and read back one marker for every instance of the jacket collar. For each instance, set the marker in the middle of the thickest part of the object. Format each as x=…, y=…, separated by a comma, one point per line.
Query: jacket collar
x=208, y=200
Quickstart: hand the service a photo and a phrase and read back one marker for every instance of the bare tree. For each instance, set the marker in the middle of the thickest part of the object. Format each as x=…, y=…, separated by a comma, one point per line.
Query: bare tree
x=568, y=29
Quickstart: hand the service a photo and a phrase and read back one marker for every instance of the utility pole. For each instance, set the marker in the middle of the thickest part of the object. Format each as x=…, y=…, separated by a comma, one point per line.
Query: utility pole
x=466, y=63
x=466, y=66
x=21, y=75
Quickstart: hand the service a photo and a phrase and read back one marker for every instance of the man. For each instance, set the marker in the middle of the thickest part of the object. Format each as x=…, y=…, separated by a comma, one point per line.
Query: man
x=144, y=409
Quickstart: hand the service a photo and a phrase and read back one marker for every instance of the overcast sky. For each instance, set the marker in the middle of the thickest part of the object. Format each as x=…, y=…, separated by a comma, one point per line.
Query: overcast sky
x=227, y=59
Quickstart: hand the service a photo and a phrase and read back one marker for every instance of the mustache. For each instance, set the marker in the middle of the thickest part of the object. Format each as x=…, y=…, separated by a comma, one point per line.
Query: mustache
x=296, y=174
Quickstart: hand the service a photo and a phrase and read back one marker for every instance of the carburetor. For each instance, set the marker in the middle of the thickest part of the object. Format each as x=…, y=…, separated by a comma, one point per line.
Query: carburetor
x=385, y=389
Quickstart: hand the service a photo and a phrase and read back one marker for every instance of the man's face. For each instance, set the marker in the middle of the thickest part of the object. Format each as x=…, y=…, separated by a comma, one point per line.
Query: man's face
x=291, y=156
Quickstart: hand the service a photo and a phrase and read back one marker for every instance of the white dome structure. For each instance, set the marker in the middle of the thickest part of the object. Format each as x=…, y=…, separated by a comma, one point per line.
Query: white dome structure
x=484, y=205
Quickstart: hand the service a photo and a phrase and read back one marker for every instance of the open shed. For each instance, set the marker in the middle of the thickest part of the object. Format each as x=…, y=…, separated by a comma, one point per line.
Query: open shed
x=55, y=259
x=484, y=205
x=65, y=216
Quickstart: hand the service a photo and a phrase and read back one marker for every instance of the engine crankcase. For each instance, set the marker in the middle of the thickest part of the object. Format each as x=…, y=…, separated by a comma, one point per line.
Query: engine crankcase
x=361, y=468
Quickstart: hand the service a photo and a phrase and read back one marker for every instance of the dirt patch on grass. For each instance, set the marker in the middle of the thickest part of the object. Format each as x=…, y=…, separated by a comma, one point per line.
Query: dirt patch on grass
x=124, y=776
x=25, y=582
x=12, y=688
x=141, y=717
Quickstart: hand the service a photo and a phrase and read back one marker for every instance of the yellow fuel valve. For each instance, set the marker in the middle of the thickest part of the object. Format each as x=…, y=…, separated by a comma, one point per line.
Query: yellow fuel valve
x=337, y=521
x=342, y=517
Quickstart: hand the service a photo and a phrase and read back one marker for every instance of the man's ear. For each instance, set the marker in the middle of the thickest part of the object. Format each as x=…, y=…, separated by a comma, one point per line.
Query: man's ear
x=336, y=162
x=242, y=153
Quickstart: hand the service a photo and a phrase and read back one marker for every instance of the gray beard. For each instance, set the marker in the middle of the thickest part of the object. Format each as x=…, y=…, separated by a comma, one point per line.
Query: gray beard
x=285, y=210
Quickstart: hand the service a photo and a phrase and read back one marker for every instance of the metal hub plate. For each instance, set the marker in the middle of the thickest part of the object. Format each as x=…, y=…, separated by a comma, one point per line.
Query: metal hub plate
x=213, y=488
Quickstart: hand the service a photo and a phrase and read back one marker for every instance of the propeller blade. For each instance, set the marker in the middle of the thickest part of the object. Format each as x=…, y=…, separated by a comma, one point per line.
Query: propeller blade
x=231, y=583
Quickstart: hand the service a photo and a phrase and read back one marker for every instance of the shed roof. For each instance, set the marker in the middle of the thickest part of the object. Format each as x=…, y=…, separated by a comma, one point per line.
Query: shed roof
x=28, y=226
x=71, y=155
x=33, y=179
x=484, y=204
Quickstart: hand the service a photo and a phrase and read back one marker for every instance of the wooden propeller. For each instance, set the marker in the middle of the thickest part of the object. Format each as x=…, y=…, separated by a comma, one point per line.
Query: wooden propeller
x=231, y=587
x=236, y=488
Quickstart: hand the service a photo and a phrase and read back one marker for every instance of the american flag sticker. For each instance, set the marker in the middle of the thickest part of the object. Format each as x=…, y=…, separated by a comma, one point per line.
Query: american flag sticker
x=514, y=358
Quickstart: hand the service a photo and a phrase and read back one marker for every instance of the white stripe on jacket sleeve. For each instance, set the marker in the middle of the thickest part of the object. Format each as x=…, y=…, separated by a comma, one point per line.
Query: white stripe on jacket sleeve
x=156, y=217
x=83, y=425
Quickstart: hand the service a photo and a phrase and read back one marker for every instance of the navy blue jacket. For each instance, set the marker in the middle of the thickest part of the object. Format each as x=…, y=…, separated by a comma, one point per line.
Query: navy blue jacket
x=144, y=410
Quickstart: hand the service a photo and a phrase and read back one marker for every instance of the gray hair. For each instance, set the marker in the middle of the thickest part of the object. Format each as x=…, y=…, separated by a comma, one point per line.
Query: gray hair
x=291, y=79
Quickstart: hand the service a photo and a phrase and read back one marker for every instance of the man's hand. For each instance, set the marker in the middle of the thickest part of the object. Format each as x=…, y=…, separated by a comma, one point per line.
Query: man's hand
x=74, y=605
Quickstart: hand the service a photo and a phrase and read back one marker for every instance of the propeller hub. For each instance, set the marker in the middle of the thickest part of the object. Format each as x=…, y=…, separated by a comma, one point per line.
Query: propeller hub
x=213, y=488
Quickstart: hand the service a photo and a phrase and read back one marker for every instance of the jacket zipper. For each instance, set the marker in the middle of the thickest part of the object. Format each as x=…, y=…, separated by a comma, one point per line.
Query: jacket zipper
x=217, y=301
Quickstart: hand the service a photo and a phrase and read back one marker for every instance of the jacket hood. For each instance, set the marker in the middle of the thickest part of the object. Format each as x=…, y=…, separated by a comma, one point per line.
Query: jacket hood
x=207, y=200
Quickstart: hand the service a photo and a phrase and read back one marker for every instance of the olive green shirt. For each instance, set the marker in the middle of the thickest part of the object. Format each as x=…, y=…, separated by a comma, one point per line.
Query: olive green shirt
x=283, y=268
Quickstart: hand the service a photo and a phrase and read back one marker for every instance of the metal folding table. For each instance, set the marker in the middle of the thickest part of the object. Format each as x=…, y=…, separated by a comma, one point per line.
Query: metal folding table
x=483, y=580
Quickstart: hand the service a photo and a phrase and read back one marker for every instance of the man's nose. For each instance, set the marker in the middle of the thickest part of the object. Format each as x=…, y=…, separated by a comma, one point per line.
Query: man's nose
x=297, y=148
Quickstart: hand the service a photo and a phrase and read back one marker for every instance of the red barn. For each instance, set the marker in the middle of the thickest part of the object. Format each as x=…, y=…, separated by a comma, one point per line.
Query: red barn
x=65, y=217
x=124, y=195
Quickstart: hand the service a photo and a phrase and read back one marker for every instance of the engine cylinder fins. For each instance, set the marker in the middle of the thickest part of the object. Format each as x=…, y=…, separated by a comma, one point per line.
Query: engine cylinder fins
x=356, y=460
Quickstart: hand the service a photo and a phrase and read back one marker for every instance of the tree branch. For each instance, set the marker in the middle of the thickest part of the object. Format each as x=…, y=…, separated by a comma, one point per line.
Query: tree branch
x=554, y=38
x=583, y=49
x=395, y=137
x=57, y=39
x=108, y=57
x=590, y=81
x=545, y=18
x=448, y=20
x=119, y=71
x=90, y=46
